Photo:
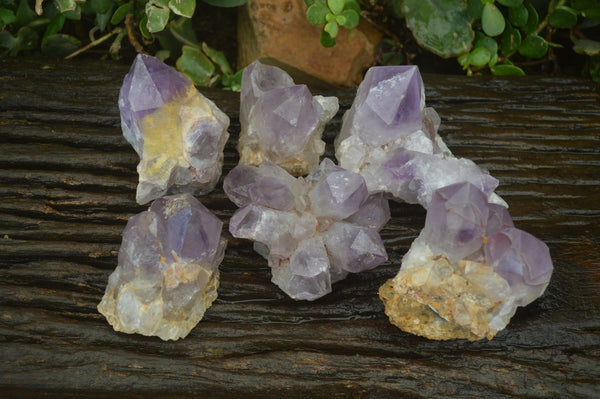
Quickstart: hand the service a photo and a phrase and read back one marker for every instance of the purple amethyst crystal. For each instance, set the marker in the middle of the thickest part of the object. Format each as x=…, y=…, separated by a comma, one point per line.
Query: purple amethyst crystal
x=390, y=138
x=316, y=230
x=468, y=270
x=167, y=274
x=177, y=132
x=281, y=122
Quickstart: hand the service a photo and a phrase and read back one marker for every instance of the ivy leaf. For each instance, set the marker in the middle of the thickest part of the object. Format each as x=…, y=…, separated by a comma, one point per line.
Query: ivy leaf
x=218, y=58
x=533, y=46
x=144, y=27
x=226, y=3
x=511, y=40
x=592, y=13
x=162, y=54
x=56, y=24
x=492, y=20
x=507, y=70
x=442, y=27
x=185, y=8
x=479, y=56
x=331, y=28
x=183, y=31
x=316, y=14
x=24, y=14
x=65, y=5
x=326, y=39
x=103, y=19
x=60, y=45
x=532, y=19
x=158, y=16
x=233, y=82
x=195, y=65
x=26, y=39
x=518, y=15
x=336, y=6
x=352, y=19
x=475, y=8
x=563, y=17
x=101, y=6
x=7, y=16
x=583, y=4
x=586, y=47
x=120, y=13
x=510, y=3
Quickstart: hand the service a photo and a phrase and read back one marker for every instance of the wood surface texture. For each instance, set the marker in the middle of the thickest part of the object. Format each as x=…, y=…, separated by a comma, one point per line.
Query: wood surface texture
x=67, y=188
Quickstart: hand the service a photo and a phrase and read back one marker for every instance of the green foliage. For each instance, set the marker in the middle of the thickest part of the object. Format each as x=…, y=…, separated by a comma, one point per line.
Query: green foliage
x=332, y=14
x=164, y=25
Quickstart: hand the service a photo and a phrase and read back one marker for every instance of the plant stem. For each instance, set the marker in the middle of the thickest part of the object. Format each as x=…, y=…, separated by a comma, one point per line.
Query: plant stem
x=94, y=43
x=551, y=7
x=129, y=24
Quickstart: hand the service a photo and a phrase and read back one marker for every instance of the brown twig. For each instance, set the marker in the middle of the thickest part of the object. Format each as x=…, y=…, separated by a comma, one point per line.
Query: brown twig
x=130, y=25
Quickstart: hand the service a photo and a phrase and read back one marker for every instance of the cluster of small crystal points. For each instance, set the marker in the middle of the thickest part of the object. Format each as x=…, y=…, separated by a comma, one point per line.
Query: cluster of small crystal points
x=468, y=270
x=167, y=274
x=390, y=138
x=281, y=122
x=312, y=230
x=178, y=133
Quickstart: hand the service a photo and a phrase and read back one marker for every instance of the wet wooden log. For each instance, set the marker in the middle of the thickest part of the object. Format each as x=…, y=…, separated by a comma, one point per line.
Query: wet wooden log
x=67, y=188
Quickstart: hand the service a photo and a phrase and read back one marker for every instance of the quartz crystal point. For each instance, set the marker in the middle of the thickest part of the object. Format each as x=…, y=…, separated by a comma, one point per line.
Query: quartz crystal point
x=314, y=230
x=390, y=138
x=178, y=133
x=167, y=274
x=281, y=122
x=468, y=270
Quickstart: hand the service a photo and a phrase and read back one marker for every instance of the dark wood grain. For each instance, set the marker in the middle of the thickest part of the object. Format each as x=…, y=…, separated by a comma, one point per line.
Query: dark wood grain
x=67, y=188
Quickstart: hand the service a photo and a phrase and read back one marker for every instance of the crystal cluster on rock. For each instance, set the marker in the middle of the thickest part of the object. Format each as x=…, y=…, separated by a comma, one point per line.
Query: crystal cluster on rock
x=178, y=133
x=312, y=230
x=468, y=270
x=167, y=274
x=281, y=122
x=390, y=138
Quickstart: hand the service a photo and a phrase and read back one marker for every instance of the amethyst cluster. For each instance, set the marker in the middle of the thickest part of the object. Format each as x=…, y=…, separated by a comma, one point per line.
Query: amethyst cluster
x=167, y=274
x=390, y=138
x=178, y=133
x=281, y=122
x=312, y=230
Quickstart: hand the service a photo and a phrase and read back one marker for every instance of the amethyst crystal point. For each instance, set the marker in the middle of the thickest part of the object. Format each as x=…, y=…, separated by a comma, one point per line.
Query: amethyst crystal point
x=177, y=132
x=167, y=274
x=391, y=139
x=281, y=122
x=315, y=229
x=468, y=270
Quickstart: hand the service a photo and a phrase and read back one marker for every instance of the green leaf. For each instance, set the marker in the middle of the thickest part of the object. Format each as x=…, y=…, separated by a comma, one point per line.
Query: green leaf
x=316, y=14
x=101, y=6
x=144, y=27
x=586, y=47
x=329, y=17
x=331, y=28
x=563, y=17
x=162, y=54
x=74, y=15
x=592, y=13
x=195, y=65
x=511, y=40
x=7, y=16
x=183, y=31
x=336, y=6
x=7, y=40
x=518, y=15
x=583, y=4
x=391, y=58
x=492, y=20
x=510, y=3
x=352, y=19
x=226, y=3
x=326, y=39
x=340, y=20
x=479, y=56
x=493, y=60
x=185, y=8
x=442, y=27
x=474, y=8
x=218, y=58
x=507, y=70
x=352, y=5
x=24, y=14
x=532, y=19
x=65, y=5
x=26, y=39
x=120, y=13
x=233, y=82
x=103, y=19
x=482, y=40
x=60, y=45
x=533, y=46
x=56, y=24
x=158, y=16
